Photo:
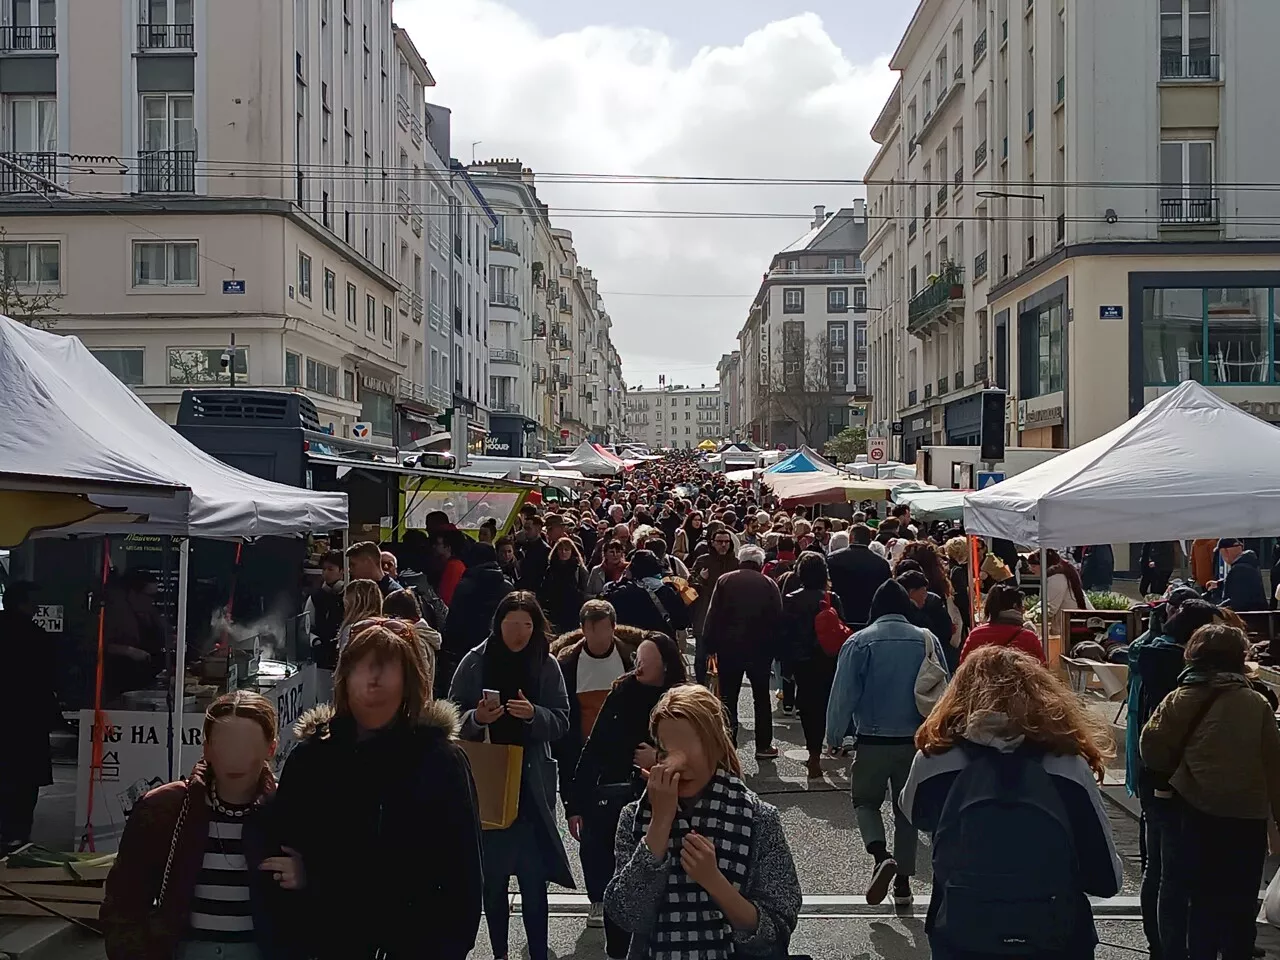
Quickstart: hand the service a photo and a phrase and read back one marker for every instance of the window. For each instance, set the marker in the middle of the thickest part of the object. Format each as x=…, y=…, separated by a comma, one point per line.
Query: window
x=837, y=369
x=351, y=304
x=860, y=337
x=687, y=401
x=125, y=364
x=386, y=324
x=793, y=300
x=1214, y=336
x=168, y=122
x=292, y=369
x=1186, y=40
x=837, y=336
x=370, y=315
x=860, y=298
x=322, y=378
x=837, y=299
x=330, y=291
x=379, y=410
x=165, y=263
x=835, y=264
x=1040, y=335
x=1186, y=182
x=688, y=415
x=195, y=365
x=31, y=263
x=304, y=276
x=32, y=124
x=348, y=384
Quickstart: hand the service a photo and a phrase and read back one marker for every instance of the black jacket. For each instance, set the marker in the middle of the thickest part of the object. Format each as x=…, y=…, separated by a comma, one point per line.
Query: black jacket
x=28, y=701
x=470, y=618
x=935, y=618
x=636, y=608
x=799, y=638
x=856, y=574
x=1243, y=589
x=534, y=556
x=606, y=757
x=1162, y=553
x=389, y=833
x=562, y=593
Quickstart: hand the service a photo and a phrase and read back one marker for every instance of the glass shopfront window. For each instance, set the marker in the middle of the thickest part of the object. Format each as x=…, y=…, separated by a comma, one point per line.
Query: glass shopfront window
x=1215, y=336
x=1041, y=345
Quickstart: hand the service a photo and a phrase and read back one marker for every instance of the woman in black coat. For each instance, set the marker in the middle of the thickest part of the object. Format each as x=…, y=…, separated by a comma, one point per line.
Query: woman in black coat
x=378, y=801
x=608, y=778
x=802, y=655
x=564, y=586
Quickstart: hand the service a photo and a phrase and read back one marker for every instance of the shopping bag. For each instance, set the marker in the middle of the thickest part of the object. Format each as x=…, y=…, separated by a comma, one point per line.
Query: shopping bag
x=681, y=586
x=495, y=768
x=1270, y=912
x=713, y=674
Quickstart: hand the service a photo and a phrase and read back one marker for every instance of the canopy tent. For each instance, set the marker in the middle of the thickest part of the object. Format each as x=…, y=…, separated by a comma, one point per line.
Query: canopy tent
x=884, y=471
x=933, y=504
x=794, y=489
x=1189, y=465
x=589, y=461
x=745, y=446
x=70, y=421
x=803, y=460
x=707, y=446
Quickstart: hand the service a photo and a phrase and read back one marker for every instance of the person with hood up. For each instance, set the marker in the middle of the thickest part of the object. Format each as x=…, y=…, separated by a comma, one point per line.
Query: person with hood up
x=479, y=592
x=875, y=687
x=689, y=536
x=741, y=630
x=642, y=600
x=199, y=874
x=403, y=605
x=532, y=712
x=1024, y=865
x=564, y=586
x=1242, y=588
x=1003, y=625
x=375, y=782
x=609, y=570
x=1216, y=740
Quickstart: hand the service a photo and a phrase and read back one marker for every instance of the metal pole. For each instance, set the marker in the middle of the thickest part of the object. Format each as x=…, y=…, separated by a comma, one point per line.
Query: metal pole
x=1044, y=596
x=180, y=657
x=231, y=365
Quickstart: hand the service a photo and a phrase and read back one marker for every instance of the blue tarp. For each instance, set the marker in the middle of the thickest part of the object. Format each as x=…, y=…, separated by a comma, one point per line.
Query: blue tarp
x=803, y=460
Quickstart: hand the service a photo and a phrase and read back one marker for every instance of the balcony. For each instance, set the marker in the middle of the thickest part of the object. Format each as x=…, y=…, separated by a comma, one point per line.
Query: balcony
x=980, y=48
x=980, y=155
x=928, y=212
x=166, y=36
x=942, y=385
x=1189, y=66
x=29, y=38
x=957, y=379
x=980, y=265
x=402, y=204
x=415, y=128
x=35, y=169
x=564, y=305
x=457, y=246
x=1062, y=91
x=1061, y=232
x=457, y=319
x=1188, y=210
x=438, y=397
x=826, y=270
x=504, y=244
x=435, y=314
x=944, y=293
x=167, y=171
x=913, y=397
x=505, y=406
x=402, y=111
x=958, y=178
x=499, y=299
x=911, y=228
x=928, y=391
x=402, y=300
x=980, y=372
x=415, y=222
x=408, y=390
x=942, y=196
x=415, y=304
x=503, y=355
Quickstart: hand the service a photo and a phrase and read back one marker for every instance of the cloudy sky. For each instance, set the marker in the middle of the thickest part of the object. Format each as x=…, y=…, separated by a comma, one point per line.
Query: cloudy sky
x=700, y=88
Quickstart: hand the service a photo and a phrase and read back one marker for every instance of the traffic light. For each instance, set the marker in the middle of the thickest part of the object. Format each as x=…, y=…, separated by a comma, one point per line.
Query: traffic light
x=992, y=435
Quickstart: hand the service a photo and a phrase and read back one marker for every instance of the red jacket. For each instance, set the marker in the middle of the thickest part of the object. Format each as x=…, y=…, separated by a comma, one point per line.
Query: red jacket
x=998, y=634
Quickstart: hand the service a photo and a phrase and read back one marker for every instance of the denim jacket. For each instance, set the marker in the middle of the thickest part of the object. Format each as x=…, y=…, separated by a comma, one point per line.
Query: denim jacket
x=876, y=679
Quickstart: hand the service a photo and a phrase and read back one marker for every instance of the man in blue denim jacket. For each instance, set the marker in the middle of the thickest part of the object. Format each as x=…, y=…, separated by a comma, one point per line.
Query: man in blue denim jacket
x=874, y=687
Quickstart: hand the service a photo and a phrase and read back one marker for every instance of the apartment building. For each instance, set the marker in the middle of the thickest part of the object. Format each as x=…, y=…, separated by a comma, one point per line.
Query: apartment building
x=1107, y=167
x=803, y=347
x=219, y=176
x=581, y=319
x=730, y=370
x=676, y=417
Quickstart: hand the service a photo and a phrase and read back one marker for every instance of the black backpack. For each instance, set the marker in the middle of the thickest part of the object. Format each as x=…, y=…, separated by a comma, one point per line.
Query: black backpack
x=1004, y=860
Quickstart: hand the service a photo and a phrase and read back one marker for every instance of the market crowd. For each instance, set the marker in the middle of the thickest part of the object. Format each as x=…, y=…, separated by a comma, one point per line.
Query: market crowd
x=610, y=639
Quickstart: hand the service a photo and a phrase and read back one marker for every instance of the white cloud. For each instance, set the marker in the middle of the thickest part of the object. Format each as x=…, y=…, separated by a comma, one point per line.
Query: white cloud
x=784, y=102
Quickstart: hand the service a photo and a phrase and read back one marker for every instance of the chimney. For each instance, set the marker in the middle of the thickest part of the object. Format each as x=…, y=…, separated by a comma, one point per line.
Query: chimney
x=860, y=209
x=819, y=215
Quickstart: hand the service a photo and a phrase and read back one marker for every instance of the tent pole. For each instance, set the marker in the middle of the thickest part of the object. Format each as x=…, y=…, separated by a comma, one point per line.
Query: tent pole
x=180, y=656
x=1044, y=596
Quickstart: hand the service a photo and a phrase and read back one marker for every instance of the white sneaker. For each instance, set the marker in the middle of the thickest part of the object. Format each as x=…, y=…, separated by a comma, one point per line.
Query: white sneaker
x=595, y=917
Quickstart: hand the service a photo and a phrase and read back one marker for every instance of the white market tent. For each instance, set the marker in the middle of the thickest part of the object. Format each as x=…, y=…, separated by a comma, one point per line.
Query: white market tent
x=1189, y=465
x=71, y=424
x=590, y=462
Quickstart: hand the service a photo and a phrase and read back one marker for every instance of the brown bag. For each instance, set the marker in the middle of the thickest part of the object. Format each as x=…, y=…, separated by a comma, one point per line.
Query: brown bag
x=495, y=767
x=713, y=674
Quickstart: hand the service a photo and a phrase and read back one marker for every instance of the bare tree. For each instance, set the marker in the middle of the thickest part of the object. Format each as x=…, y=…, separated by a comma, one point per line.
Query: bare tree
x=20, y=298
x=800, y=387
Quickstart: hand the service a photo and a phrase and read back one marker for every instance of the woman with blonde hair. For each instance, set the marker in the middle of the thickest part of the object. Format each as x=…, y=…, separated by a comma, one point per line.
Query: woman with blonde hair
x=362, y=600
x=1006, y=779
x=703, y=866
x=956, y=550
x=376, y=781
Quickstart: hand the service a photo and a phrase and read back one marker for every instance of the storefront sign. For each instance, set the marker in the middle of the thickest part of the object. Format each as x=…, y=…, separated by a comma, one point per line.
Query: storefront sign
x=1263, y=410
x=1040, y=412
x=377, y=386
x=49, y=617
x=494, y=444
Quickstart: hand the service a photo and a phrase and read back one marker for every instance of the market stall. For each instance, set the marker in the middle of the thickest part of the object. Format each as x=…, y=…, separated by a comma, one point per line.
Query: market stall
x=591, y=461
x=808, y=489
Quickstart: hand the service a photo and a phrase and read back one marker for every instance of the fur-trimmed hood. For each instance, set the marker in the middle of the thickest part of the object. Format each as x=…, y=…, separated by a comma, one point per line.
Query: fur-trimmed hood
x=441, y=715
x=627, y=638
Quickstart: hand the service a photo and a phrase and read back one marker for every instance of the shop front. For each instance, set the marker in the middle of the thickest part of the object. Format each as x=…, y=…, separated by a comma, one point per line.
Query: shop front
x=1040, y=421
x=917, y=432
x=963, y=421
x=378, y=406
x=509, y=436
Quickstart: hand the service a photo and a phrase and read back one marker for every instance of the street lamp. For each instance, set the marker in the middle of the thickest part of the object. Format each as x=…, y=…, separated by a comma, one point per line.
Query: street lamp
x=228, y=360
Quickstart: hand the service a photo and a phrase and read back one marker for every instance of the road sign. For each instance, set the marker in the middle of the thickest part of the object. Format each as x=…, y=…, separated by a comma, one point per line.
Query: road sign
x=877, y=449
x=1115, y=312
x=986, y=479
x=233, y=286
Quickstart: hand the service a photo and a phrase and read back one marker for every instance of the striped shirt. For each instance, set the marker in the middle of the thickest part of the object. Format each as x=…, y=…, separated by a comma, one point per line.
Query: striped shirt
x=220, y=908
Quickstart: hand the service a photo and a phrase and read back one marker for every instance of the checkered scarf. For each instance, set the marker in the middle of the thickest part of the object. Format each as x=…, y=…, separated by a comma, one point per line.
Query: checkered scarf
x=689, y=925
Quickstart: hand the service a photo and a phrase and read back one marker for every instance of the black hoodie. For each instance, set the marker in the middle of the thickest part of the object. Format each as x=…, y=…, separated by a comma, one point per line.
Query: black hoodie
x=470, y=619
x=1243, y=589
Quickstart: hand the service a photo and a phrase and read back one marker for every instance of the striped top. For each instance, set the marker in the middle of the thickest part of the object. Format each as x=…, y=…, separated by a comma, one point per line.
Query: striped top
x=220, y=908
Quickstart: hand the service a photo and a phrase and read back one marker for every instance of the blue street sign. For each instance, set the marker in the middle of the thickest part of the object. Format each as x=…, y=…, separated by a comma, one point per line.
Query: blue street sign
x=233, y=286
x=986, y=479
x=1111, y=313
